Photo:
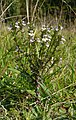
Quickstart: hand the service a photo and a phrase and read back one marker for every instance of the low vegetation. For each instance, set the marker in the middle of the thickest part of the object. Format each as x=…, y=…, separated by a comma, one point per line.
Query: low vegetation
x=37, y=73
x=37, y=70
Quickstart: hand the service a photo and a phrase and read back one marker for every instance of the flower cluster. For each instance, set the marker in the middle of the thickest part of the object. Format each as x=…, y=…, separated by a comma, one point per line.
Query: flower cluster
x=46, y=35
x=62, y=40
x=31, y=36
x=46, y=32
x=17, y=25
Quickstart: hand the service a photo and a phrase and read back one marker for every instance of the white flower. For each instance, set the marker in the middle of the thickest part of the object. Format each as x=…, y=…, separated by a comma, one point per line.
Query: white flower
x=9, y=28
x=31, y=31
x=17, y=49
x=38, y=40
x=60, y=61
x=61, y=27
x=63, y=39
x=44, y=39
x=17, y=25
x=49, y=38
x=48, y=29
x=56, y=29
x=31, y=40
x=47, y=45
x=52, y=60
x=27, y=97
x=61, y=42
x=43, y=27
x=44, y=36
x=23, y=23
x=31, y=34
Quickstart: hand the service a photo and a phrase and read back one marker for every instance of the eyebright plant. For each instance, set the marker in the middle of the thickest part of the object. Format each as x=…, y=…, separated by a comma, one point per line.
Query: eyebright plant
x=35, y=81
x=36, y=53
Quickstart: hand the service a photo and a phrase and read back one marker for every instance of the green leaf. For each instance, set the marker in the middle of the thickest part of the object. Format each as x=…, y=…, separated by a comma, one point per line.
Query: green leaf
x=62, y=111
x=47, y=91
x=34, y=112
x=32, y=92
x=14, y=70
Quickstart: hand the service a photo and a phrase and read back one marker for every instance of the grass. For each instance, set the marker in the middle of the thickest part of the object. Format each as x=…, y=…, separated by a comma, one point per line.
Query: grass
x=38, y=74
